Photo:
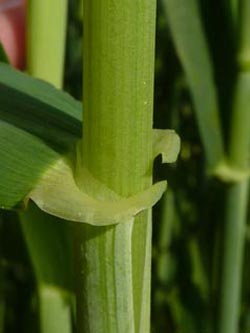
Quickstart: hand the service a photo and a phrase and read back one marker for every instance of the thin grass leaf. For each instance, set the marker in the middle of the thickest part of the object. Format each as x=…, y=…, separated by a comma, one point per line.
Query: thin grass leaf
x=187, y=30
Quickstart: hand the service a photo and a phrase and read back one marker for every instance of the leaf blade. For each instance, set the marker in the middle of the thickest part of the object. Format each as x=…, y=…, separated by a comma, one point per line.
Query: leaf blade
x=39, y=108
x=23, y=159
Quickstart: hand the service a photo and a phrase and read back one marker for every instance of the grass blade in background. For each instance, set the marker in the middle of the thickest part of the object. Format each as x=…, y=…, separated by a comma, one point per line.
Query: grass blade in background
x=188, y=36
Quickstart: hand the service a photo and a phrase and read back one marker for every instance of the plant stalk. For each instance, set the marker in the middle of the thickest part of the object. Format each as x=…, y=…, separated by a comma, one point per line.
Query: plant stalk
x=46, y=31
x=237, y=196
x=48, y=240
x=114, y=263
x=234, y=239
x=48, y=245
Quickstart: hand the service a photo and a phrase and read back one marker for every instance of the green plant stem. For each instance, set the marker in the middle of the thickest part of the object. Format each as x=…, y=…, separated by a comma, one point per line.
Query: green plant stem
x=49, y=249
x=47, y=239
x=234, y=237
x=46, y=31
x=53, y=303
x=113, y=263
x=237, y=196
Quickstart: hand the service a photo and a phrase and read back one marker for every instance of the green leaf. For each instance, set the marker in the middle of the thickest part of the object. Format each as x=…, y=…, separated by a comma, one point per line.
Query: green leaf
x=39, y=108
x=36, y=122
x=23, y=160
x=191, y=45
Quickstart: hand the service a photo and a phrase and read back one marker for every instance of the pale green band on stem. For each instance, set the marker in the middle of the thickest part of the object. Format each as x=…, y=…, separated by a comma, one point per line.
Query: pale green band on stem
x=230, y=174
